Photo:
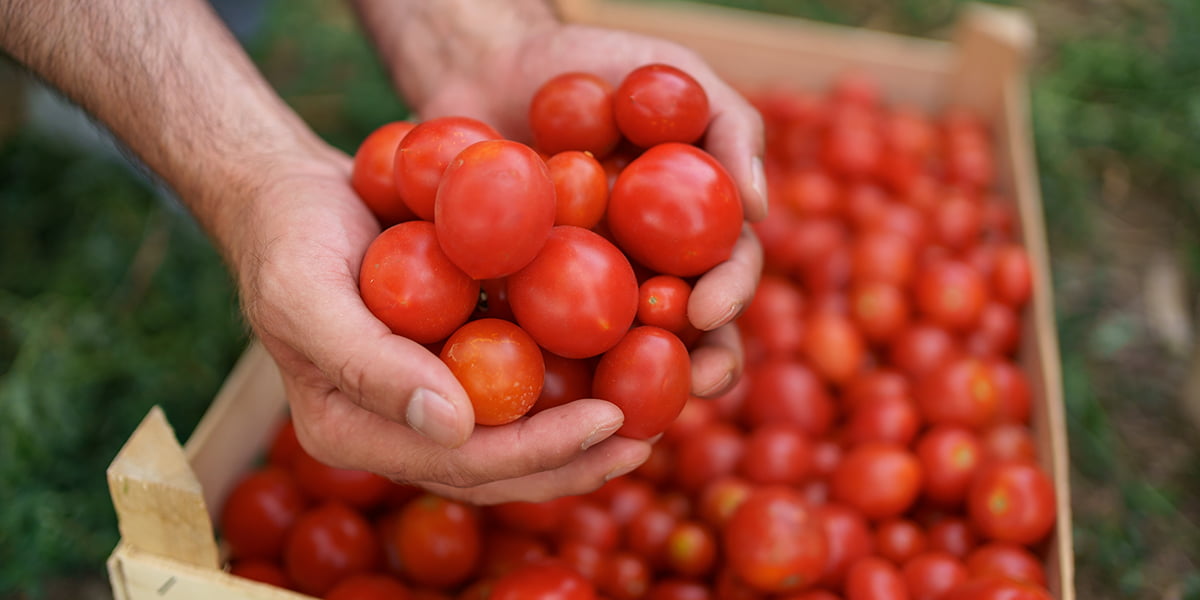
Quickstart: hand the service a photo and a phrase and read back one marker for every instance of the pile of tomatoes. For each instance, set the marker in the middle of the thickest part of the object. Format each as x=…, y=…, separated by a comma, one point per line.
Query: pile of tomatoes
x=877, y=446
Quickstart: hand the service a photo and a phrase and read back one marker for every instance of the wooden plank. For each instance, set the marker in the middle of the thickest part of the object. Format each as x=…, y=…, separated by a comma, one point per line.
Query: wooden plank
x=138, y=575
x=159, y=502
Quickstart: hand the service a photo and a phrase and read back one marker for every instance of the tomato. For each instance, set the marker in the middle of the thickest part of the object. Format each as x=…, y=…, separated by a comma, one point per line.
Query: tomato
x=625, y=497
x=678, y=589
x=372, y=586
x=260, y=570
x=580, y=188
x=719, y=498
x=591, y=524
x=423, y=155
x=500, y=367
x=810, y=193
x=407, y=282
x=533, y=517
x=582, y=558
x=696, y=414
x=883, y=419
x=899, y=539
x=505, y=551
x=373, y=176
x=960, y=392
x=691, y=549
x=951, y=293
x=1008, y=560
x=494, y=209
x=574, y=111
x=648, y=376
x=327, y=544
x=565, y=380
x=362, y=490
x=675, y=210
x=623, y=576
x=880, y=479
x=647, y=531
x=1012, y=391
x=855, y=88
x=1012, y=502
x=876, y=382
x=921, y=347
x=433, y=541
x=969, y=160
x=848, y=538
x=828, y=272
x=710, y=453
x=775, y=542
x=996, y=588
x=879, y=309
x=1009, y=442
x=950, y=455
x=873, y=578
x=1012, y=276
x=952, y=534
x=548, y=580
x=777, y=453
x=788, y=391
x=997, y=332
x=852, y=145
x=259, y=511
x=883, y=257
x=957, y=220
x=773, y=322
x=663, y=301
x=585, y=314
x=930, y=575
x=493, y=301
x=834, y=347
x=658, y=103
x=285, y=447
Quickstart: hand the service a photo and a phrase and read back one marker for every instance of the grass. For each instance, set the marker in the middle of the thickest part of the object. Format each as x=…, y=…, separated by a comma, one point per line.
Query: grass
x=111, y=301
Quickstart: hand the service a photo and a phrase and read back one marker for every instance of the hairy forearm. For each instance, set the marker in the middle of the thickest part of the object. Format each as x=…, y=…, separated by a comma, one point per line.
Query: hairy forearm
x=171, y=82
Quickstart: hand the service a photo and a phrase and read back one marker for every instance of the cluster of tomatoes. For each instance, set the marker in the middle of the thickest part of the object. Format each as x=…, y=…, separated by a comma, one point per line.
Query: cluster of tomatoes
x=568, y=260
x=877, y=446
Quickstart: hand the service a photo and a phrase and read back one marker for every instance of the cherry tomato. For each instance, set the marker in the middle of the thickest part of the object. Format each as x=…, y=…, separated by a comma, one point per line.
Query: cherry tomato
x=899, y=540
x=533, y=517
x=834, y=347
x=374, y=173
x=957, y=220
x=433, y=541
x=678, y=589
x=1012, y=276
x=788, y=391
x=407, y=282
x=505, y=551
x=1012, y=391
x=259, y=512
x=582, y=558
x=996, y=588
x=997, y=333
x=662, y=302
x=675, y=210
x=574, y=111
x=883, y=419
x=952, y=534
x=658, y=103
x=327, y=544
x=591, y=524
x=873, y=578
x=879, y=309
x=1012, y=502
x=580, y=188
x=852, y=145
x=260, y=570
x=583, y=315
x=1008, y=560
x=362, y=490
x=369, y=586
x=884, y=257
x=500, y=367
x=494, y=208
x=880, y=479
x=549, y=580
x=691, y=549
x=710, y=453
x=848, y=538
x=930, y=575
x=423, y=155
x=1009, y=442
x=285, y=447
x=779, y=453
x=648, y=376
x=720, y=497
x=959, y=392
x=876, y=382
x=773, y=322
x=565, y=380
x=623, y=576
x=775, y=542
x=810, y=193
x=921, y=347
x=950, y=455
x=951, y=293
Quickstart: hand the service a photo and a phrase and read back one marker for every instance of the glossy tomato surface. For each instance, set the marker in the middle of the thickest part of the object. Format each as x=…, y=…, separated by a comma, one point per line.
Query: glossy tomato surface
x=500, y=367
x=574, y=111
x=373, y=176
x=648, y=376
x=658, y=103
x=426, y=151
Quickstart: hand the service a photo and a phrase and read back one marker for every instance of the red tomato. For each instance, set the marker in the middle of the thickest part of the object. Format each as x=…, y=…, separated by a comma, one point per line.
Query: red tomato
x=957, y=220
x=951, y=293
x=787, y=391
x=997, y=333
x=834, y=347
x=848, y=538
x=374, y=173
x=879, y=309
x=720, y=497
x=362, y=490
x=499, y=366
x=883, y=256
x=691, y=549
x=922, y=347
x=883, y=419
x=1008, y=560
x=663, y=301
x=285, y=447
x=852, y=145
x=505, y=551
x=580, y=188
x=960, y=392
x=659, y=103
x=775, y=542
x=696, y=414
x=407, y=282
x=533, y=517
x=950, y=455
x=424, y=154
x=589, y=523
x=623, y=576
x=773, y=322
x=259, y=512
x=566, y=379
x=648, y=376
x=1012, y=276
x=875, y=382
x=574, y=111
x=855, y=88
x=678, y=589
x=260, y=570
x=1012, y=502
x=996, y=588
x=494, y=209
x=433, y=541
x=647, y=532
x=585, y=314
x=778, y=453
x=899, y=539
x=675, y=210
x=930, y=575
x=548, y=580
x=327, y=544
x=709, y=454
x=810, y=193
x=873, y=578
x=369, y=586
x=1012, y=391
x=1009, y=442
x=880, y=479
x=582, y=558
x=951, y=534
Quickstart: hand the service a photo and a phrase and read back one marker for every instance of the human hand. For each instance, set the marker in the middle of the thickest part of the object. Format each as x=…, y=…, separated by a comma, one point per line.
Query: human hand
x=364, y=398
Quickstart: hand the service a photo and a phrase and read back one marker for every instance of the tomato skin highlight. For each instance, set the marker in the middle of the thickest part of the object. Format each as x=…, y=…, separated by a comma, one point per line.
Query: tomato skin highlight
x=658, y=103
x=648, y=376
x=500, y=367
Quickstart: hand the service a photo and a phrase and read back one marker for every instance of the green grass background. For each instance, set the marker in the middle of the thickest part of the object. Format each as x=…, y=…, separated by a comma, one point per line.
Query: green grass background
x=111, y=301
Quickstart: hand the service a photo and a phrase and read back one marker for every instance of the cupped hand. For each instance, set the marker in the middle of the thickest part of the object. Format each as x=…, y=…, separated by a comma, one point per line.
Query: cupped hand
x=497, y=88
x=364, y=398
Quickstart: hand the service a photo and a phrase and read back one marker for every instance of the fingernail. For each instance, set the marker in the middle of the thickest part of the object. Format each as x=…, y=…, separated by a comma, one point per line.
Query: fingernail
x=728, y=316
x=601, y=433
x=622, y=470
x=717, y=387
x=433, y=416
x=758, y=181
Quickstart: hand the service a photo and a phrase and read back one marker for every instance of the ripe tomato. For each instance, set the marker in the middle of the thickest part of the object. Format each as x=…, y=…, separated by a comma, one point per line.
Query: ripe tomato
x=848, y=538
x=1008, y=560
x=259, y=512
x=775, y=542
x=678, y=589
x=787, y=390
x=773, y=322
x=374, y=173
x=583, y=315
x=873, y=578
x=543, y=580
x=494, y=208
x=883, y=419
x=499, y=366
x=580, y=188
x=960, y=392
x=810, y=193
x=720, y=497
x=424, y=154
x=1012, y=502
x=957, y=220
x=407, y=282
x=710, y=453
x=623, y=576
x=369, y=586
x=884, y=257
x=922, y=347
x=362, y=490
x=834, y=346
x=658, y=103
x=574, y=111
x=950, y=455
x=997, y=333
x=996, y=588
x=327, y=544
x=880, y=479
x=590, y=523
x=505, y=551
x=951, y=293
x=260, y=570
x=565, y=380
x=1012, y=276
x=582, y=558
x=899, y=539
x=1009, y=442
x=285, y=447
x=879, y=309
x=879, y=381
x=779, y=453
x=691, y=549
x=852, y=145
x=930, y=575
x=675, y=210
x=433, y=541
x=951, y=534
x=533, y=517
x=648, y=376
x=662, y=302
x=1012, y=391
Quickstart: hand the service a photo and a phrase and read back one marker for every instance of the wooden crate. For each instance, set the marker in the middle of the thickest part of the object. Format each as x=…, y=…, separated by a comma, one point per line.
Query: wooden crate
x=165, y=495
